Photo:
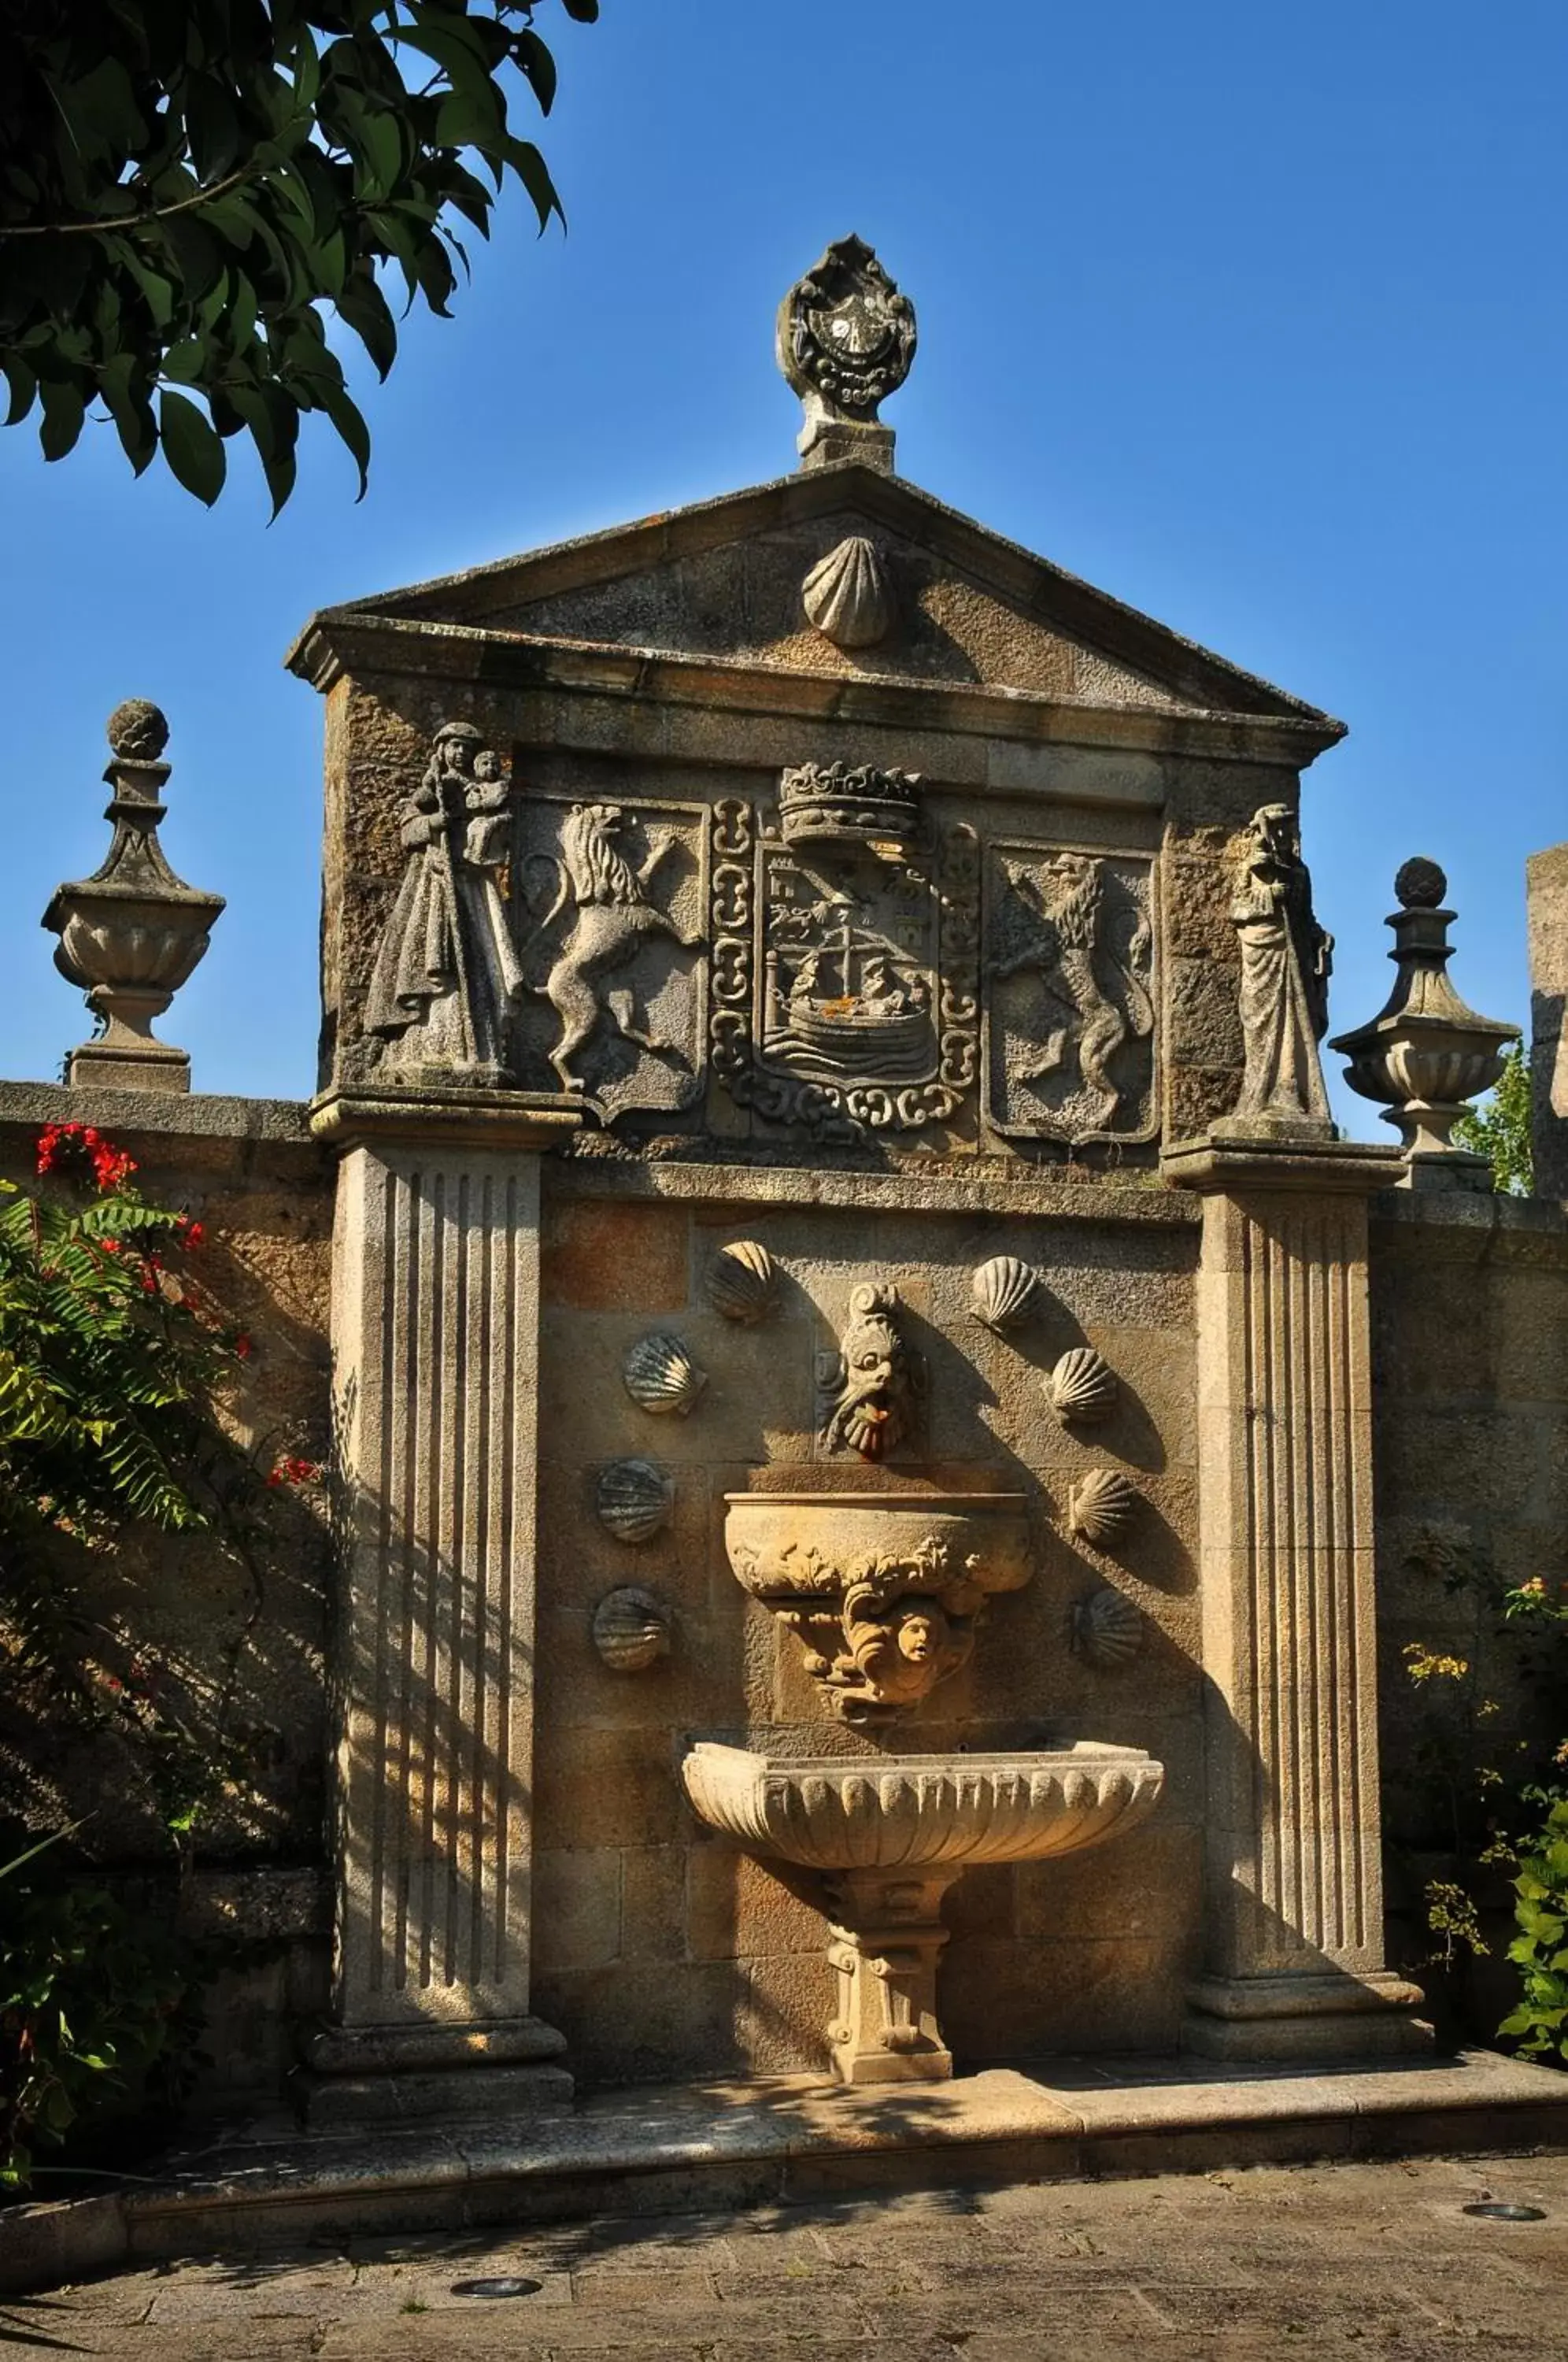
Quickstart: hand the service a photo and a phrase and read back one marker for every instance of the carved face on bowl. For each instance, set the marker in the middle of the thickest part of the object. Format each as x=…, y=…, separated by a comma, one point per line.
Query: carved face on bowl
x=899, y=1653
x=873, y=1408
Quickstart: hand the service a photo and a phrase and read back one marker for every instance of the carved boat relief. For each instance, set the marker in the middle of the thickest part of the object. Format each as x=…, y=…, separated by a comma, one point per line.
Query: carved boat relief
x=1070, y=1032
x=845, y=941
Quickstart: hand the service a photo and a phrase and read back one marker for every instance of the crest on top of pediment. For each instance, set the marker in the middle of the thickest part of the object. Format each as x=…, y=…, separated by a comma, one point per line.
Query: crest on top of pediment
x=845, y=333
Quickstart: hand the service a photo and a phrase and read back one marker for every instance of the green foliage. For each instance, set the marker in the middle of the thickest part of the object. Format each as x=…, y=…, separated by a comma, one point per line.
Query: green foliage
x=1499, y=1128
x=189, y=189
x=99, y=2011
x=1539, y=2024
x=1496, y=1797
x=113, y=1359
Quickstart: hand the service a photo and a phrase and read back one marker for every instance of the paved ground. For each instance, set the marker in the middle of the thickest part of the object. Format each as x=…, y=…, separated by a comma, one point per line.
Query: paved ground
x=1326, y=2261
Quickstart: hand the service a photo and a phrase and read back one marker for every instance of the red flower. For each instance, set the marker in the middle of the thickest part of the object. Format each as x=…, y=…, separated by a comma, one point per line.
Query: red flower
x=242, y=1347
x=296, y=1471
x=110, y=1246
x=190, y=1234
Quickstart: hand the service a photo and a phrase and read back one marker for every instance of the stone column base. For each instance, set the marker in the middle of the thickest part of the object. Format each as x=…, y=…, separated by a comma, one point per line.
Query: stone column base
x=885, y=1939
x=383, y=2074
x=1333, y=2015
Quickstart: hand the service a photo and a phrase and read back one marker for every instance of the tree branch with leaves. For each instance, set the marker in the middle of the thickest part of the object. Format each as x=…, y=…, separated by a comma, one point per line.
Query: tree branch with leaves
x=193, y=190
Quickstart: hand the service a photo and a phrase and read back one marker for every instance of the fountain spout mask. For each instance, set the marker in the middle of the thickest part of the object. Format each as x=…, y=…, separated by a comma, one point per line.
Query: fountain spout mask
x=872, y=1388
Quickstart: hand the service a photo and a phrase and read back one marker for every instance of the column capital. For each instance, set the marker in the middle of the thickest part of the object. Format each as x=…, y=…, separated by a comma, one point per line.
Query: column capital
x=350, y=1116
x=1240, y=1155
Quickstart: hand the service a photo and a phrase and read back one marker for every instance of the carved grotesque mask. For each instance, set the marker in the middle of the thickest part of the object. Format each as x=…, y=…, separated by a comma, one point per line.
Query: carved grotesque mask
x=872, y=1381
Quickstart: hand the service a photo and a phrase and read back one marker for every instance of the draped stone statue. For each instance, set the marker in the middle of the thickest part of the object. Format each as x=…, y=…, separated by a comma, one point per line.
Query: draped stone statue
x=1286, y=958
x=446, y=973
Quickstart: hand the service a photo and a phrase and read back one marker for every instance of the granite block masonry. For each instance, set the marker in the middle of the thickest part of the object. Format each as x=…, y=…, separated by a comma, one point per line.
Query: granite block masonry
x=859, y=1356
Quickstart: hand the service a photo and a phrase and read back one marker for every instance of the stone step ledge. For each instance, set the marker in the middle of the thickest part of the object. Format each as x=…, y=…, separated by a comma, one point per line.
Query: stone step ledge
x=669, y=2150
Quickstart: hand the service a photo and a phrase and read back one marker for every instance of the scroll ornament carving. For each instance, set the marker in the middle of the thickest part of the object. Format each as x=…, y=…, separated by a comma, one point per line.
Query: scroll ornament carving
x=1287, y=959
x=447, y=976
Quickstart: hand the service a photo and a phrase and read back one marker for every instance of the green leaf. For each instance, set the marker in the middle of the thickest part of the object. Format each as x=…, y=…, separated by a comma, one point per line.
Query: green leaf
x=64, y=408
x=529, y=52
x=194, y=452
x=24, y=386
x=351, y=427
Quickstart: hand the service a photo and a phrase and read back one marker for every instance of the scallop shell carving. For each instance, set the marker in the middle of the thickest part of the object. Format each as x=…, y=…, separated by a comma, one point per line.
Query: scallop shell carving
x=635, y=1499
x=1082, y=1386
x=1004, y=1292
x=1107, y=1629
x=661, y=1376
x=1099, y=1505
x=631, y=1630
x=743, y=1282
x=847, y=595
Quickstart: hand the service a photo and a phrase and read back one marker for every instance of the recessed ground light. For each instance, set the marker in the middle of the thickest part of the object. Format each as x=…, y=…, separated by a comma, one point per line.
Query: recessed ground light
x=1496, y=2212
x=508, y=2287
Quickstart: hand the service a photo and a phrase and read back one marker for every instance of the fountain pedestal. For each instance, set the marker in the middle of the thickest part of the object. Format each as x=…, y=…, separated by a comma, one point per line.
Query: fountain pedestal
x=885, y=1938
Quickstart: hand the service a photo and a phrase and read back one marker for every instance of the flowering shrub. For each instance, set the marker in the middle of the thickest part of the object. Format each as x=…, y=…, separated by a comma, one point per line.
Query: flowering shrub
x=1496, y=1784
x=114, y=1359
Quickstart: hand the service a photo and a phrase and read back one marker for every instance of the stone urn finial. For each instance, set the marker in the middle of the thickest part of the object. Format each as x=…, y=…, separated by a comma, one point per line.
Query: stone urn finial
x=131, y=934
x=1426, y=1055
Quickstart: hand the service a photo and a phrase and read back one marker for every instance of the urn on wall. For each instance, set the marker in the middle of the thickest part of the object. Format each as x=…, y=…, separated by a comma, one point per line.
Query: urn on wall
x=131, y=934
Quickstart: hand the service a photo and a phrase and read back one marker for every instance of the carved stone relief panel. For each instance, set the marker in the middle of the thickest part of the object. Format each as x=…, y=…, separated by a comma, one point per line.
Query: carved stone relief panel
x=1071, y=1037
x=845, y=966
x=610, y=908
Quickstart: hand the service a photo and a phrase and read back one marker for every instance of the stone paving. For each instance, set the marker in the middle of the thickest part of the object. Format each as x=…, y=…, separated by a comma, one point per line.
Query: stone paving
x=1327, y=2261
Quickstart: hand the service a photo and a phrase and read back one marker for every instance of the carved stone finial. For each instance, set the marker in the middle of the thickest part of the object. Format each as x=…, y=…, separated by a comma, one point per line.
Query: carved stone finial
x=131, y=934
x=1425, y=1053
x=1287, y=959
x=846, y=340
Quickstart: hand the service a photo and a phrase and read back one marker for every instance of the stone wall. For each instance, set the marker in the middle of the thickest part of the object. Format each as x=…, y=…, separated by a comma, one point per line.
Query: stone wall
x=262, y=1190
x=659, y=1949
x=1470, y=1347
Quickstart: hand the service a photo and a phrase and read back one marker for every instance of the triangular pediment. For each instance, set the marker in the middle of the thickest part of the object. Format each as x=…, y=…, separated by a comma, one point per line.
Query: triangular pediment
x=724, y=580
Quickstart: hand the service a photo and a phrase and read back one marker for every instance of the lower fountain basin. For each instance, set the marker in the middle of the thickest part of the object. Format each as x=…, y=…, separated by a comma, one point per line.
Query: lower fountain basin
x=833, y=1814
x=887, y=1836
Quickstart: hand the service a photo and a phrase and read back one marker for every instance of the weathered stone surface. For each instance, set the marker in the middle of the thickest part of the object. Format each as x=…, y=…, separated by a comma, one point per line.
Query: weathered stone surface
x=1547, y=915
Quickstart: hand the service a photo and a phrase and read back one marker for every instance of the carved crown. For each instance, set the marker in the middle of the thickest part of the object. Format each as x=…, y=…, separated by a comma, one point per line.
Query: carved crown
x=834, y=803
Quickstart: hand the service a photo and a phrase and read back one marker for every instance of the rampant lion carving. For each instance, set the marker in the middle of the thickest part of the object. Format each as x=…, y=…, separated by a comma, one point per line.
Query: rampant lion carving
x=1065, y=941
x=611, y=917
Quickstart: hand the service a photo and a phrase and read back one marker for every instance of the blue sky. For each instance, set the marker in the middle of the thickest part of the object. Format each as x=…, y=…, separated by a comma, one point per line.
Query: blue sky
x=1253, y=315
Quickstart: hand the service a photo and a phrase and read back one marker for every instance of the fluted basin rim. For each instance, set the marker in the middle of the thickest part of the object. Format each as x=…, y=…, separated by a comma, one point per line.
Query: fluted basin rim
x=856, y=1812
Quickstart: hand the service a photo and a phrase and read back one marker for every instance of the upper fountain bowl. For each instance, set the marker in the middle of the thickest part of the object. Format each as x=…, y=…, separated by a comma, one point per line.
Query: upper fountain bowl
x=836, y=1813
x=816, y=1545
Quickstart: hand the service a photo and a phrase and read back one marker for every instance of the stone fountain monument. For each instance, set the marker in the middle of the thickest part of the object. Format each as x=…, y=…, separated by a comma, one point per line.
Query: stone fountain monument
x=850, y=1316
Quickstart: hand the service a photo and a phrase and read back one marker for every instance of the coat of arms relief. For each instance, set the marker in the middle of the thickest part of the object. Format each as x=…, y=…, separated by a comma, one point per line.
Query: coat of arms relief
x=839, y=961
